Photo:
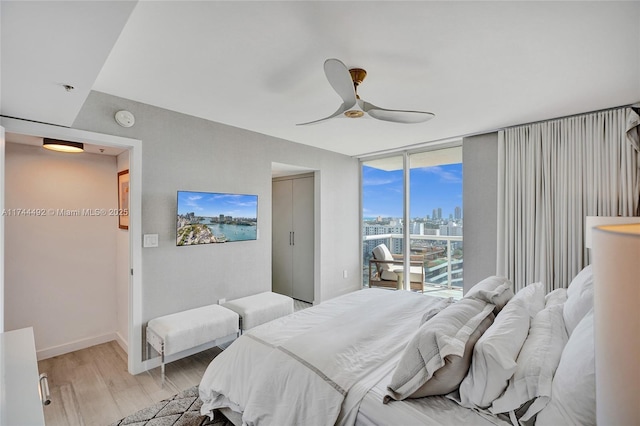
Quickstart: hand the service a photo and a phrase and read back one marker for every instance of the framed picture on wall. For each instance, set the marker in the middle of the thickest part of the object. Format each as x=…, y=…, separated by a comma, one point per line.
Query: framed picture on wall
x=123, y=199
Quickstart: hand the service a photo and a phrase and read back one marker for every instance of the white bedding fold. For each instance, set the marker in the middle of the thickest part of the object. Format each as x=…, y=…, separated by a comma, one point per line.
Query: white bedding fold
x=298, y=369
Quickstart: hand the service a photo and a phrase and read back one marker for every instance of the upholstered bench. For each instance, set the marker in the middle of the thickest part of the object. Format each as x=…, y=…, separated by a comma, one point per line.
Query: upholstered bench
x=181, y=334
x=260, y=308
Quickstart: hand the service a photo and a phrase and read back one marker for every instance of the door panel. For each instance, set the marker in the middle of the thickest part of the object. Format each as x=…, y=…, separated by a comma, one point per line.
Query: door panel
x=303, y=247
x=282, y=255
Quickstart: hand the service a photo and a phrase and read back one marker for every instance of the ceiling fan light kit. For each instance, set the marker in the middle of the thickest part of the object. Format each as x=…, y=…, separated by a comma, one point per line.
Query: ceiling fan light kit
x=345, y=82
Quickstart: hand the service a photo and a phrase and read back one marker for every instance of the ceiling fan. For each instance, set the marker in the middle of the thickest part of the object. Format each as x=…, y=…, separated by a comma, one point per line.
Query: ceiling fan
x=345, y=82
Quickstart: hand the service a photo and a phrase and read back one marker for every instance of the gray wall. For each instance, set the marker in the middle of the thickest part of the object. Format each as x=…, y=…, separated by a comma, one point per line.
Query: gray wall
x=181, y=152
x=480, y=189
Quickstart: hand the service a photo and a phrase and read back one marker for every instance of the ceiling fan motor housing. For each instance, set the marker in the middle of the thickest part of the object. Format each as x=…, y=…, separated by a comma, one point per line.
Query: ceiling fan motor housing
x=354, y=113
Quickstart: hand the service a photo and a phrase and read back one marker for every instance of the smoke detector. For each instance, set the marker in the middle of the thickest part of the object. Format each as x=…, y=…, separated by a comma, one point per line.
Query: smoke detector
x=125, y=118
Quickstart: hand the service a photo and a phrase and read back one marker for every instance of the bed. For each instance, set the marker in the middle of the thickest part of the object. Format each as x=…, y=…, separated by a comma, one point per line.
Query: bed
x=381, y=357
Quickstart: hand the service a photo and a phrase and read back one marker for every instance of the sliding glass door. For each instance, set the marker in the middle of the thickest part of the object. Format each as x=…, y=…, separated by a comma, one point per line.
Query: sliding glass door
x=422, y=190
x=382, y=221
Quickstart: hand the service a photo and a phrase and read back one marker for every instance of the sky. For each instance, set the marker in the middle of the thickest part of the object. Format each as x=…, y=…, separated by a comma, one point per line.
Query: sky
x=215, y=204
x=431, y=187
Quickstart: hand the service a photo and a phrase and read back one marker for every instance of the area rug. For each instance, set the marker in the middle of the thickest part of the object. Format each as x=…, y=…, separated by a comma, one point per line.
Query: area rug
x=182, y=409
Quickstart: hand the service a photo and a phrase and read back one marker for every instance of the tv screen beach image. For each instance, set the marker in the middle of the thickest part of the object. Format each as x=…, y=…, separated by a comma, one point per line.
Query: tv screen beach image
x=215, y=217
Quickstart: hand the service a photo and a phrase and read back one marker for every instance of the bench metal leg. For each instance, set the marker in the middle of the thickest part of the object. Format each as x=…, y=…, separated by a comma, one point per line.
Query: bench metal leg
x=162, y=363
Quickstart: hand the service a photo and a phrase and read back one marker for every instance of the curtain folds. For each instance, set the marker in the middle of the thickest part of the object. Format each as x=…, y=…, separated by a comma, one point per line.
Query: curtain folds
x=551, y=176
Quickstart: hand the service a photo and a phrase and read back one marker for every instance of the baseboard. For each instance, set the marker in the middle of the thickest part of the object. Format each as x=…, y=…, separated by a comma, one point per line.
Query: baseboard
x=75, y=346
x=122, y=342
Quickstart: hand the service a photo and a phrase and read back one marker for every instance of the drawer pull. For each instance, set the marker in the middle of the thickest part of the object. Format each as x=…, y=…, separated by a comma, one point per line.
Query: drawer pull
x=43, y=384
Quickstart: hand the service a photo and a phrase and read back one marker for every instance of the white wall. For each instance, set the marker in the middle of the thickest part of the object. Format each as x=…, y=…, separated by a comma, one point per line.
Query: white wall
x=60, y=270
x=181, y=152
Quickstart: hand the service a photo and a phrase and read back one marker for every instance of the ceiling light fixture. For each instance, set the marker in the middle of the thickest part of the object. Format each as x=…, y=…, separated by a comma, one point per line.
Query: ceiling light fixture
x=62, y=146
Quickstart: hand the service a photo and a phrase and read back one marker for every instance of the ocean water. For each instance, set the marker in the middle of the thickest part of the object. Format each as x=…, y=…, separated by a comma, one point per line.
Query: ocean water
x=234, y=232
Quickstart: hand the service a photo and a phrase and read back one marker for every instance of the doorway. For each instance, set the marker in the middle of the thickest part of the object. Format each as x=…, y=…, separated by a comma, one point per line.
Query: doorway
x=133, y=146
x=295, y=256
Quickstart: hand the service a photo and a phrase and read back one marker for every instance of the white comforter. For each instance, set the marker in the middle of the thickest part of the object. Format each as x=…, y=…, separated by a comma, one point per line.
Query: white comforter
x=314, y=367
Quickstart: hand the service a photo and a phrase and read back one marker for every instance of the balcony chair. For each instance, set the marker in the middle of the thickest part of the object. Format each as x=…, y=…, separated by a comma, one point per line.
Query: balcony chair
x=383, y=264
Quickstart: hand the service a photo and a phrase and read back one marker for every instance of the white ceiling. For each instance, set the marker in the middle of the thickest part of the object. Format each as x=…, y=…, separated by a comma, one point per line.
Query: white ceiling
x=477, y=65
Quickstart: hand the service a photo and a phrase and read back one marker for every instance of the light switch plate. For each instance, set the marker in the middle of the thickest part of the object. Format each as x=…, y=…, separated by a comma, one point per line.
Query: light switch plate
x=150, y=240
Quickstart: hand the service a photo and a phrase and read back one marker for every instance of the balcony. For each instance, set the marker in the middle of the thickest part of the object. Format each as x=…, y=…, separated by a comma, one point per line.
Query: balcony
x=443, y=263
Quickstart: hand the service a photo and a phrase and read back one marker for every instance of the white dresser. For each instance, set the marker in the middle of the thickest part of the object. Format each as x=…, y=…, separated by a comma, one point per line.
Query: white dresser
x=20, y=402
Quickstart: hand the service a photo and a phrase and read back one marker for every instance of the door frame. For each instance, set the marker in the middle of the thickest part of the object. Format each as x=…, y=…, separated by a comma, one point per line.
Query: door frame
x=12, y=125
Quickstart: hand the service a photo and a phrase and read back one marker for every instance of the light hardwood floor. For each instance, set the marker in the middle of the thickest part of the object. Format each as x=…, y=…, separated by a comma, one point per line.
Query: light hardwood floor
x=92, y=386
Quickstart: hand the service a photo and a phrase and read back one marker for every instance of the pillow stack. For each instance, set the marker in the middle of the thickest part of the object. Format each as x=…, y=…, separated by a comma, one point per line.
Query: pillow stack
x=495, y=354
x=527, y=355
x=553, y=380
x=573, y=388
x=438, y=356
x=529, y=389
x=574, y=383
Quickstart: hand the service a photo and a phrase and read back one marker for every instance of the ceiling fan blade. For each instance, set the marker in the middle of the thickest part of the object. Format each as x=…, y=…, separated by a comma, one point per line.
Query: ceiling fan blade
x=340, y=79
x=395, y=115
x=335, y=114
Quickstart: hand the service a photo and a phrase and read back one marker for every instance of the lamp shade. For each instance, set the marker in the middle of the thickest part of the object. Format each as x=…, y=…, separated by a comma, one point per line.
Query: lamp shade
x=593, y=221
x=62, y=146
x=616, y=268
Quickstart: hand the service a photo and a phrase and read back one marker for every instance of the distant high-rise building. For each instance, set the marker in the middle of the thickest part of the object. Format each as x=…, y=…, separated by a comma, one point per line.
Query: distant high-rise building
x=458, y=213
x=417, y=228
x=451, y=229
x=435, y=214
x=439, y=213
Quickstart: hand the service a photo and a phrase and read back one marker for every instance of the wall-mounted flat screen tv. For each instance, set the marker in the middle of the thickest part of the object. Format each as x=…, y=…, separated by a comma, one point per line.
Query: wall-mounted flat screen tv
x=215, y=217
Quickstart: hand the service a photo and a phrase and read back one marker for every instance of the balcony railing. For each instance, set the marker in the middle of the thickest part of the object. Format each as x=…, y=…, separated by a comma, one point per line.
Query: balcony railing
x=447, y=273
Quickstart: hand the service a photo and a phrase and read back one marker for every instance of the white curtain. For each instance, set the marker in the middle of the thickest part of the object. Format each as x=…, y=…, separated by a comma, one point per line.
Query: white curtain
x=551, y=176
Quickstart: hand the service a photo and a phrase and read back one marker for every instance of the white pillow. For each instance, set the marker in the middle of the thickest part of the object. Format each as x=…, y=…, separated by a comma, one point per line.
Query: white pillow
x=495, y=290
x=573, y=390
x=435, y=308
x=579, y=298
x=455, y=368
x=530, y=386
x=556, y=297
x=446, y=334
x=495, y=354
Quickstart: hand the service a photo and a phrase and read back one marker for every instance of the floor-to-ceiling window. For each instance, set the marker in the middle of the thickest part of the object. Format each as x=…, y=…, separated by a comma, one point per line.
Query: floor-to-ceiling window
x=382, y=216
x=427, y=198
x=436, y=214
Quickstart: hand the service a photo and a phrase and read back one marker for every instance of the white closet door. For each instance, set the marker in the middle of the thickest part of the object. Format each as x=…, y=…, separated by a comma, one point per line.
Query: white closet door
x=303, y=231
x=282, y=224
